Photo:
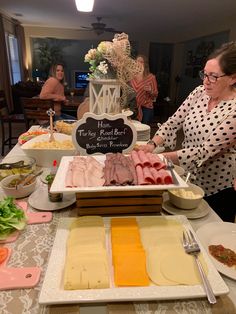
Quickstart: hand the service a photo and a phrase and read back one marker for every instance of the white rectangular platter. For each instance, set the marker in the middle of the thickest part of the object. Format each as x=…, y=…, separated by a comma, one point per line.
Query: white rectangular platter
x=59, y=181
x=52, y=291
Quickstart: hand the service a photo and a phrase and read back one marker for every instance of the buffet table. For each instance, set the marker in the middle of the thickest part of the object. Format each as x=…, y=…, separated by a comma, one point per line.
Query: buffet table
x=33, y=248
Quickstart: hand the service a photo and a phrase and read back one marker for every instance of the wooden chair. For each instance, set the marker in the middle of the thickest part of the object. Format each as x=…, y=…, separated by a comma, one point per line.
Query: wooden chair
x=35, y=110
x=7, y=118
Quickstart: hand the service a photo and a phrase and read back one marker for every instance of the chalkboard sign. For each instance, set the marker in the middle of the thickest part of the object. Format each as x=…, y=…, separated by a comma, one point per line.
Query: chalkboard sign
x=104, y=134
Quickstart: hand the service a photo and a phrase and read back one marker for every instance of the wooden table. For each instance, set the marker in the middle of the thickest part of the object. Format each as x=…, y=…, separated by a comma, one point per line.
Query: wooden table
x=33, y=248
x=72, y=105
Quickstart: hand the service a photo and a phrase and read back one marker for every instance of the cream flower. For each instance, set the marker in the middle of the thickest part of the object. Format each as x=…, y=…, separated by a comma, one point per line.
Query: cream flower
x=91, y=55
x=103, y=67
x=104, y=46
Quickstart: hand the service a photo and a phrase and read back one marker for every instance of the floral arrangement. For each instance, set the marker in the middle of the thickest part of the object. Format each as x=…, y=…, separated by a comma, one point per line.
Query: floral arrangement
x=99, y=65
x=111, y=59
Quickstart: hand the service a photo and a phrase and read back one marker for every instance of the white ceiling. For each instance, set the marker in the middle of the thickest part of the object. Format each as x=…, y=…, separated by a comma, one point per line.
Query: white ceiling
x=155, y=19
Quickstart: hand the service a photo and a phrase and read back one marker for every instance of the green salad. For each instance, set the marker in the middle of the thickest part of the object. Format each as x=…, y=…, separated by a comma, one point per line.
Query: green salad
x=11, y=217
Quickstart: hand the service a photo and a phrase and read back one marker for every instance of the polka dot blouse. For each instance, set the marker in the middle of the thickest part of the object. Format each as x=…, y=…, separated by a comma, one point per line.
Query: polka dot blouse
x=209, y=146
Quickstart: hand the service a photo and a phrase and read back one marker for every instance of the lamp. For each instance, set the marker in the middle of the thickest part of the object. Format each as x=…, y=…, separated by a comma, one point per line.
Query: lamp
x=84, y=5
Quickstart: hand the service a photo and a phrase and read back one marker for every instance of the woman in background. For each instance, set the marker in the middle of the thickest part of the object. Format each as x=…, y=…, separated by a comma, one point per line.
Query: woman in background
x=53, y=89
x=145, y=86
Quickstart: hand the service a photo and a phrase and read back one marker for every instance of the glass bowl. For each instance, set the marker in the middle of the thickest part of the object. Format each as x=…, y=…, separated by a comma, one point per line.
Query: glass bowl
x=25, y=165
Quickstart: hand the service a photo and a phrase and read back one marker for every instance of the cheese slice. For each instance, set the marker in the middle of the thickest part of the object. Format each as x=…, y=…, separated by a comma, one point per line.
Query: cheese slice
x=154, y=258
x=86, y=265
x=181, y=267
x=128, y=255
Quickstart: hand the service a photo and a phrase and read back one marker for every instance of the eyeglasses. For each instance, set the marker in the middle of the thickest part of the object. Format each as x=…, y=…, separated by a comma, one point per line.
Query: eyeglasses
x=211, y=78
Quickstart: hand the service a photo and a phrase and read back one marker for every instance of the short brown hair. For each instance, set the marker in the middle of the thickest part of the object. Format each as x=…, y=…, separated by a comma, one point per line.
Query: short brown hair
x=226, y=55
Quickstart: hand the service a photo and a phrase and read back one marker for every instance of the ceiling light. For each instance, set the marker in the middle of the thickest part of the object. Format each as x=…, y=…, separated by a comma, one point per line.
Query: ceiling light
x=84, y=5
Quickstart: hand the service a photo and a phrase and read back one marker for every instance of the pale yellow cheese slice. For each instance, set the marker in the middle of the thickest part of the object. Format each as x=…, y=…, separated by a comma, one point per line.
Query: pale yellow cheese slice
x=86, y=273
x=181, y=267
x=94, y=221
x=155, y=231
x=86, y=265
x=153, y=264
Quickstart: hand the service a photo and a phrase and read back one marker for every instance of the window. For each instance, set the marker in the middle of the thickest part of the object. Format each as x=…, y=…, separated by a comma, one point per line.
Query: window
x=13, y=58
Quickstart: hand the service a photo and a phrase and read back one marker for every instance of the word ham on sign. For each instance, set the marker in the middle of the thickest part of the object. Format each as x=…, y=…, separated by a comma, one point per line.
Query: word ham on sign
x=84, y=172
x=150, y=169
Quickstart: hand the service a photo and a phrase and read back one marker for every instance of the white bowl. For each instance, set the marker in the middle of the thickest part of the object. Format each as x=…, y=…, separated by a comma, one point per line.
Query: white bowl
x=29, y=166
x=21, y=191
x=45, y=156
x=186, y=202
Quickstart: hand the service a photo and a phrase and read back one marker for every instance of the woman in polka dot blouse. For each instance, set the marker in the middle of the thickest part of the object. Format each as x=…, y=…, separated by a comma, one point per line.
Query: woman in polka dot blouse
x=208, y=119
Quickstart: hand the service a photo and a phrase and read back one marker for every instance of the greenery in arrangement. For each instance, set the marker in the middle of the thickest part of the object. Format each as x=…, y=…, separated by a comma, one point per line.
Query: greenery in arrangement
x=11, y=217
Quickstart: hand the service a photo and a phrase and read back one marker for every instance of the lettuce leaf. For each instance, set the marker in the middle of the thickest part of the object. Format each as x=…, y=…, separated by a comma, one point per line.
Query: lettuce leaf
x=11, y=217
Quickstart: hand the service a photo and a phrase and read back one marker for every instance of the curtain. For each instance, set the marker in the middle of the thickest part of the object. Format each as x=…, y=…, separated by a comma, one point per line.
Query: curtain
x=20, y=35
x=5, y=80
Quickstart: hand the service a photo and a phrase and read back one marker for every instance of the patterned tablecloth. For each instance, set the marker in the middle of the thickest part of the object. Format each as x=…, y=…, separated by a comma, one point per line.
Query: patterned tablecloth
x=33, y=247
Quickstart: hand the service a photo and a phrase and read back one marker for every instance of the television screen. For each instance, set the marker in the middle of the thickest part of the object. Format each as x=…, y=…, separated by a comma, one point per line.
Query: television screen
x=80, y=79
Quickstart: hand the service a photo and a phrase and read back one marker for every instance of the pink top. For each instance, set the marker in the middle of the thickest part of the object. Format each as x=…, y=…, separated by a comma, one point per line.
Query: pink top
x=52, y=89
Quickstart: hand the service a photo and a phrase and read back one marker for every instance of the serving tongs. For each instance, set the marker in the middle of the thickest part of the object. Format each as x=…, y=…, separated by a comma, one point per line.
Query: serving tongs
x=12, y=165
x=28, y=179
x=170, y=166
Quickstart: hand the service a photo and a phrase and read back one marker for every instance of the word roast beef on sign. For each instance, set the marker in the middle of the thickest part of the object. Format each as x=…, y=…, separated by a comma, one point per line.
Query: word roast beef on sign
x=104, y=134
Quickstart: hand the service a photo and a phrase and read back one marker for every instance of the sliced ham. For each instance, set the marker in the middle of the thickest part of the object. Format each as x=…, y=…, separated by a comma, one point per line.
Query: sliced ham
x=135, y=158
x=140, y=176
x=161, y=176
x=156, y=161
x=148, y=177
x=144, y=159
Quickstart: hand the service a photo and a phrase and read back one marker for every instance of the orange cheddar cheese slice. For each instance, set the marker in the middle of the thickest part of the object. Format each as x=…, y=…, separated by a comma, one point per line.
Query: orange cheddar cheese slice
x=128, y=255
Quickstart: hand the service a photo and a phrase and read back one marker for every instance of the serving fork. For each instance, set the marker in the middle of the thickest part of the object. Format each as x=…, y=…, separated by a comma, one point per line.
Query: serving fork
x=192, y=247
x=170, y=166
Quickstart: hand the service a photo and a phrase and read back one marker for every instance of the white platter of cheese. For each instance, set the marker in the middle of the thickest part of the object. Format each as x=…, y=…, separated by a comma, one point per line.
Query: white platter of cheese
x=172, y=273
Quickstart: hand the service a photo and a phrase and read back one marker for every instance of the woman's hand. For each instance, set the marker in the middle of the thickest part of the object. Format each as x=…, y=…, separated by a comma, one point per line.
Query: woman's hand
x=59, y=98
x=148, y=148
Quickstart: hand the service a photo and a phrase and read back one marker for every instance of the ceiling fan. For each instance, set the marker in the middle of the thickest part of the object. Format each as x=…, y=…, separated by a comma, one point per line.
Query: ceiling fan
x=99, y=27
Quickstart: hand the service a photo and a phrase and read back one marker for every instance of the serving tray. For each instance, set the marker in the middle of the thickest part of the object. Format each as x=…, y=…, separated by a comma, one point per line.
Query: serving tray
x=58, y=184
x=52, y=291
